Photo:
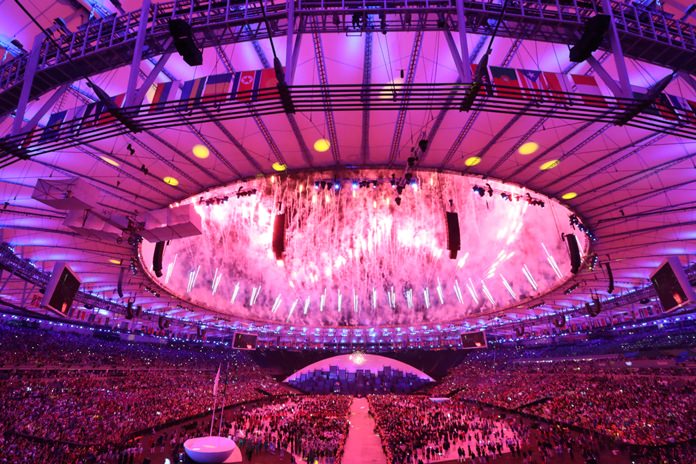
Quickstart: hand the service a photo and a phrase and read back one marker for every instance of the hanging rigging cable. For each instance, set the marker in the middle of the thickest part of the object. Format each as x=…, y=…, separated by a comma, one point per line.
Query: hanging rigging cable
x=482, y=66
x=283, y=90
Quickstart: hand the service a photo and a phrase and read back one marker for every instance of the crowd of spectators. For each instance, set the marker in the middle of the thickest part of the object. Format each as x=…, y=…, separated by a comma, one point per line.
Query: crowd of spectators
x=416, y=429
x=76, y=397
x=311, y=427
x=636, y=406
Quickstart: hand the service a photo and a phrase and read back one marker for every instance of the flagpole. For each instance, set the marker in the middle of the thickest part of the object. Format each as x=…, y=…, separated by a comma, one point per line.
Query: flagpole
x=215, y=387
x=224, y=392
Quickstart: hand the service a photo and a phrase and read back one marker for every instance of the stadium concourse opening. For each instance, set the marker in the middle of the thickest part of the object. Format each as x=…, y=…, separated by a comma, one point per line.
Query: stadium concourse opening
x=347, y=232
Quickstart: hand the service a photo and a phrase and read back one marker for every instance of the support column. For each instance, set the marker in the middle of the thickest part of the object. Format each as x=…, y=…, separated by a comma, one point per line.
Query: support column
x=617, y=51
x=29, y=73
x=464, y=54
x=137, y=54
x=289, y=70
x=604, y=75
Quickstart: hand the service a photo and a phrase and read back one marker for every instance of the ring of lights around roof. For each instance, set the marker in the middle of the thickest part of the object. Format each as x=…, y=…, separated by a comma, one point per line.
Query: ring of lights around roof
x=345, y=234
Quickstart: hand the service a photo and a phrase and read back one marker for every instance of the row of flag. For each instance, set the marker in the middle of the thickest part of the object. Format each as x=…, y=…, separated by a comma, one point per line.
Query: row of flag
x=256, y=85
x=532, y=84
x=245, y=86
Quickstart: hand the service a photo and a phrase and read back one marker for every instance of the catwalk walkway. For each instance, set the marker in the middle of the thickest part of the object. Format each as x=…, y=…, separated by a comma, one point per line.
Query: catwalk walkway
x=363, y=446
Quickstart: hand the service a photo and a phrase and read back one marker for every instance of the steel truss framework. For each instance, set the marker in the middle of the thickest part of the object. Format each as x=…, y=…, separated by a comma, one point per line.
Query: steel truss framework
x=112, y=42
x=499, y=99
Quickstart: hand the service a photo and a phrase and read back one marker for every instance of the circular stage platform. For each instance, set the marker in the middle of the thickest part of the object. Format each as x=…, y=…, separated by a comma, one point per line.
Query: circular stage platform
x=213, y=450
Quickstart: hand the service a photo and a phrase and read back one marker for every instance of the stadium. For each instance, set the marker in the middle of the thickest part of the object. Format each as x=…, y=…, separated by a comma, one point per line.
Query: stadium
x=347, y=231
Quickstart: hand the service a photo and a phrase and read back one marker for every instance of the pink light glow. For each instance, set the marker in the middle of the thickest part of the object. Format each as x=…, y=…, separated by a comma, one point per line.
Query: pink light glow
x=357, y=249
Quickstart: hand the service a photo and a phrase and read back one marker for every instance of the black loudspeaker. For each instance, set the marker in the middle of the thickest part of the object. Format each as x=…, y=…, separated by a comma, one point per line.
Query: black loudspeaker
x=129, y=310
x=595, y=308
x=185, y=44
x=595, y=29
x=454, y=242
x=157, y=259
x=119, y=287
x=278, y=243
x=519, y=330
x=574, y=251
x=611, y=279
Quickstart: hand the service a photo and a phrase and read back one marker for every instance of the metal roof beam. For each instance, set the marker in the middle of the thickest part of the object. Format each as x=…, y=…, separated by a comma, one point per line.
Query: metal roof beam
x=328, y=108
x=366, y=80
x=401, y=115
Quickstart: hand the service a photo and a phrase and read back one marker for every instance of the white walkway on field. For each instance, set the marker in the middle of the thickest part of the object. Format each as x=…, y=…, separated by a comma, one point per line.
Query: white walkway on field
x=363, y=445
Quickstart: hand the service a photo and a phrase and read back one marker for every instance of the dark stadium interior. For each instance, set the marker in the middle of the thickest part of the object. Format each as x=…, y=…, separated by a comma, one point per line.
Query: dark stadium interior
x=347, y=231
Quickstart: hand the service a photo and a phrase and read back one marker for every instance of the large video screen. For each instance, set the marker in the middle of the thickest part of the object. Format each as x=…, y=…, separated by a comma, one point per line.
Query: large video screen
x=473, y=340
x=61, y=289
x=244, y=341
x=672, y=285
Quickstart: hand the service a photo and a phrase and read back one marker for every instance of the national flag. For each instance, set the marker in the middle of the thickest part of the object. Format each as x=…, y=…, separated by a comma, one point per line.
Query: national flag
x=685, y=111
x=52, y=129
x=28, y=139
x=530, y=81
x=91, y=114
x=75, y=115
x=268, y=84
x=163, y=90
x=191, y=93
x=662, y=107
x=505, y=82
x=106, y=117
x=485, y=78
x=557, y=86
x=216, y=87
x=692, y=105
x=245, y=86
x=217, y=381
x=589, y=88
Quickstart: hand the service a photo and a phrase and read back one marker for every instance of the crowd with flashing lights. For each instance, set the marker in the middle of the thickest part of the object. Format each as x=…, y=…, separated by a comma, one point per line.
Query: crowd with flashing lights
x=637, y=406
x=112, y=390
x=313, y=428
x=417, y=430
x=78, y=398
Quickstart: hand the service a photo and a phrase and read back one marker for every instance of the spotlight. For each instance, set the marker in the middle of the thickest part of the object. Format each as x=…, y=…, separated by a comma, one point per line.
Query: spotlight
x=412, y=161
x=337, y=185
x=355, y=185
x=397, y=200
x=490, y=190
x=423, y=145
x=393, y=180
x=400, y=189
x=316, y=185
